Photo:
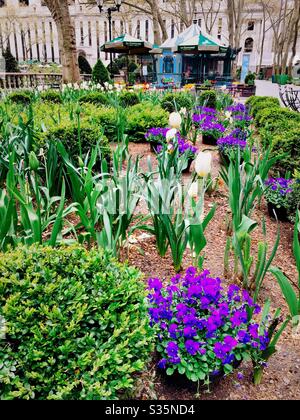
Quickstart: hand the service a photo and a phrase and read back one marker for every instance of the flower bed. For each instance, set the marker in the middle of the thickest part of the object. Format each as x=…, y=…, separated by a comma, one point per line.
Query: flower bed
x=202, y=330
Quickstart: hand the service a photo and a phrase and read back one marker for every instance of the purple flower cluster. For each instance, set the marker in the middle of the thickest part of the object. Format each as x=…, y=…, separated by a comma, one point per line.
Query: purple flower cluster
x=231, y=142
x=239, y=114
x=156, y=134
x=194, y=317
x=280, y=186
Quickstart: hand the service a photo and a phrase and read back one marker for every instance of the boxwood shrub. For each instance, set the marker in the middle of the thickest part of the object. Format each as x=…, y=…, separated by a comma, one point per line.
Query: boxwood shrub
x=106, y=117
x=96, y=98
x=21, y=97
x=288, y=142
x=182, y=100
x=51, y=96
x=208, y=98
x=257, y=103
x=129, y=98
x=67, y=133
x=276, y=117
x=76, y=325
x=142, y=117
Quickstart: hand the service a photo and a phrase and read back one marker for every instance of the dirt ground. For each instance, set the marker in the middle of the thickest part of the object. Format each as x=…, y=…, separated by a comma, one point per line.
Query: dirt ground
x=281, y=379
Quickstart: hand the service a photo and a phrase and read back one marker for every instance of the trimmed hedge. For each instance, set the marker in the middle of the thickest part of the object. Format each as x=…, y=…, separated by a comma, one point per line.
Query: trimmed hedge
x=51, y=96
x=96, y=98
x=287, y=142
x=279, y=127
x=23, y=98
x=142, y=117
x=76, y=324
x=129, y=99
x=208, y=98
x=67, y=133
x=182, y=100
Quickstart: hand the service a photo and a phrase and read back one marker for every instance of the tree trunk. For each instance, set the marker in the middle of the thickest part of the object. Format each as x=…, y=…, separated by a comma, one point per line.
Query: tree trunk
x=295, y=39
x=66, y=39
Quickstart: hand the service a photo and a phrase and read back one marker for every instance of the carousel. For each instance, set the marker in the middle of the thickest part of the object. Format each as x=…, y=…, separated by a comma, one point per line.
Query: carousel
x=193, y=57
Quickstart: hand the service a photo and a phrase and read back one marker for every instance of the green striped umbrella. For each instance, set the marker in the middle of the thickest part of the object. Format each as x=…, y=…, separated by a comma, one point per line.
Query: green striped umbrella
x=127, y=44
x=200, y=43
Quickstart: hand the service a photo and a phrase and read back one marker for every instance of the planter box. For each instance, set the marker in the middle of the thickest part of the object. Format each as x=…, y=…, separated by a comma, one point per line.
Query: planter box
x=281, y=212
x=209, y=140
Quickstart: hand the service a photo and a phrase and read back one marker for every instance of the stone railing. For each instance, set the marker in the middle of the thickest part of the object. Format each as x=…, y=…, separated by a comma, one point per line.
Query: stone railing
x=33, y=80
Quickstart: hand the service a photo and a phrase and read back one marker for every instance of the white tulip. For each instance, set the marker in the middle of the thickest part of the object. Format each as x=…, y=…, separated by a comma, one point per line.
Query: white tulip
x=203, y=164
x=193, y=190
x=175, y=120
x=170, y=135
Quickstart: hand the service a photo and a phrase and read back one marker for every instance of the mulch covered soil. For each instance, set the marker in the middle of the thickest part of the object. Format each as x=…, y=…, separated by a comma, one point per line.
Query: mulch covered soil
x=281, y=379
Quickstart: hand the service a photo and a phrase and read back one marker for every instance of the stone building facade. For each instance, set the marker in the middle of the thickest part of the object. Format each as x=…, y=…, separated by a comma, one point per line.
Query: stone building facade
x=31, y=33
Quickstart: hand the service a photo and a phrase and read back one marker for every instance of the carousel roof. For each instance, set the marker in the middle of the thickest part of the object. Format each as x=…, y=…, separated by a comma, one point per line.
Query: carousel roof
x=188, y=33
x=201, y=43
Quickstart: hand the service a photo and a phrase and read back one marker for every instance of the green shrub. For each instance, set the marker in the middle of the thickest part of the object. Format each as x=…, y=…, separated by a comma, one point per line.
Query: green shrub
x=142, y=117
x=96, y=98
x=100, y=73
x=104, y=117
x=208, y=98
x=76, y=325
x=11, y=64
x=250, y=79
x=67, y=133
x=51, y=96
x=175, y=101
x=257, y=103
x=129, y=98
x=275, y=117
x=21, y=97
x=287, y=142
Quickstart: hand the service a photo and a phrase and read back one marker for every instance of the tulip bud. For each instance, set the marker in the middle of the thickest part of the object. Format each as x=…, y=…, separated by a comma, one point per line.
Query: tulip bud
x=170, y=135
x=193, y=190
x=175, y=120
x=33, y=162
x=80, y=162
x=203, y=164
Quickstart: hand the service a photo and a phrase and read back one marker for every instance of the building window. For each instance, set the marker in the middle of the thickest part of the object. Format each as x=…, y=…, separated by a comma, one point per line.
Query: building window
x=172, y=29
x=220, y=27
x=249, y=45
x=138, y=29
x=30, y=43
x=44, y=42
x=105, y=32
x=52, y=41
x=199, y=22
x=90, y=33
x=147, y=30
x=2, y=3
x=16, y=42
x=37, y=42
x=81, y=34
x=24, y=2
x=122, y=27
x=98, y=39
x=251, y=25
x=168, y=66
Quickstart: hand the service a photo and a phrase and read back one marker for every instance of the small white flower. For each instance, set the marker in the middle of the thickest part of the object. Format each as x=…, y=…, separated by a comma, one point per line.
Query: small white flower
x=228, y=115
